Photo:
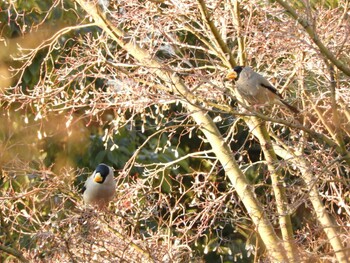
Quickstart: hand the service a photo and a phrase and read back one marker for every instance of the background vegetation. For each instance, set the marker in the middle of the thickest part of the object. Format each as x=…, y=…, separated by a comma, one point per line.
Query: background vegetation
x=201, y=177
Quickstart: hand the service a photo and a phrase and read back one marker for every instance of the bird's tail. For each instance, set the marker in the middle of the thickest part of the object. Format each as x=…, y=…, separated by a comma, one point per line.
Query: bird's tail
x=290, y=107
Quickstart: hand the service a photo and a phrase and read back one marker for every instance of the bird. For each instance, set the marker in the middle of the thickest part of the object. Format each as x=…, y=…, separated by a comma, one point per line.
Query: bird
x=256, y=89
x=99, y=188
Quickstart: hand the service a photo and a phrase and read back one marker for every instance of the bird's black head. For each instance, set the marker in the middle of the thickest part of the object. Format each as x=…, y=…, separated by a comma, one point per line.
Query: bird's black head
x=101, y=173
x=234, y=75
x=238, y=70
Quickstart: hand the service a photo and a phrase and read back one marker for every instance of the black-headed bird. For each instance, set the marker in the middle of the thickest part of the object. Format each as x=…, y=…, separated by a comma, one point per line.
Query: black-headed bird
x=99, y=188
x=255, y=89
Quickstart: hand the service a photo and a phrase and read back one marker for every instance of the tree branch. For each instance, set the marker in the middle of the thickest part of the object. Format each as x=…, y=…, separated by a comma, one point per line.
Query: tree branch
x=14, y=252
x=217, y=38
x=313, y=35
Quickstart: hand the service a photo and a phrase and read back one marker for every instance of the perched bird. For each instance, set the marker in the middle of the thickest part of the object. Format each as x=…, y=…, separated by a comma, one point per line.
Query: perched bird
x=99, y=188
x=256, y=89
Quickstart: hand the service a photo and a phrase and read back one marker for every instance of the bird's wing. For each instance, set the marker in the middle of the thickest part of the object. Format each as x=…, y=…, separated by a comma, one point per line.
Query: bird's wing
x=250, y=76
x=266, y=84
x=88, y=180
x=271, y=88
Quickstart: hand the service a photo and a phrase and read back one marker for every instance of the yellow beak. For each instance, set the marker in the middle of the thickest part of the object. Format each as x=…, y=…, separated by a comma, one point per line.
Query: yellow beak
x=98, y=178
x=231, y=75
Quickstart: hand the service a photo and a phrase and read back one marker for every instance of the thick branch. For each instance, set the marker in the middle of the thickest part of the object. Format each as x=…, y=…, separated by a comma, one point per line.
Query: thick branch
x=323, y=217
x=14, y=252
x=213, y=29
x=258, y=128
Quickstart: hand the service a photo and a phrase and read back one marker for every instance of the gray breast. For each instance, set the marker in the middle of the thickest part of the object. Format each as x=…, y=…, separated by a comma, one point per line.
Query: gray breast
x=248, y=86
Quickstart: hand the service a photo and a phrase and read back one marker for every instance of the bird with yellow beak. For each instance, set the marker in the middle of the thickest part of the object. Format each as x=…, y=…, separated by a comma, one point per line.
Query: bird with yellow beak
x=99, y=188
x=255, y=89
